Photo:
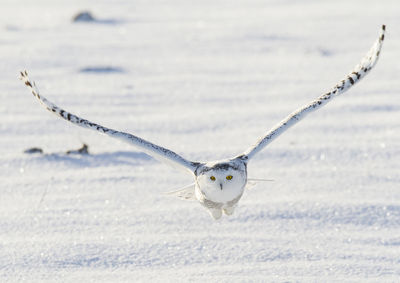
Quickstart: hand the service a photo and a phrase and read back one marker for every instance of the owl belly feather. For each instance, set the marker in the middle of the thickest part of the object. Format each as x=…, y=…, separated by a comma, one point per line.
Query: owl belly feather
x=219, y=202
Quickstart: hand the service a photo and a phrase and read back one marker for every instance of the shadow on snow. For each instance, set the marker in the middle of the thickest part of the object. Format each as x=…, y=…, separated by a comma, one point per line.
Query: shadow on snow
x=96, y=160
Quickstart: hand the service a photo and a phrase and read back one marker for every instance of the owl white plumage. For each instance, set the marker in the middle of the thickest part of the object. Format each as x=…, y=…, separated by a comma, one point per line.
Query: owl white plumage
x=219, y=185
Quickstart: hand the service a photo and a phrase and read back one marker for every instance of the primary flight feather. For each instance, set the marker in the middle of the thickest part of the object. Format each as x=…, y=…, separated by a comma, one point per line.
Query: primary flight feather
x=219, y=185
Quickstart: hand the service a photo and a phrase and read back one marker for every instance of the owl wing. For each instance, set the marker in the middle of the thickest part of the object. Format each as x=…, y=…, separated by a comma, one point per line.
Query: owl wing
x=185, y=193
x=366, y=64
x=146, y=146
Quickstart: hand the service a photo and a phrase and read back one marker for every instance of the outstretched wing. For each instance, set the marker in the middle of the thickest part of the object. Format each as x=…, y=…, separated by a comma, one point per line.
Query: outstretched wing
x=185, y=193
x=366, y=64
x=147, y=147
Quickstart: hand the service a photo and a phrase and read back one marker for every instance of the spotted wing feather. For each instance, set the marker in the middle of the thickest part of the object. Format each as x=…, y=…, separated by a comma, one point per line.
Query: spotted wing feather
x=366, y=64
x=147, y=147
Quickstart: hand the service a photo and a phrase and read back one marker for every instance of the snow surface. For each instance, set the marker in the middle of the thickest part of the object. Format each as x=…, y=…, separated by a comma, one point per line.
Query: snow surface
x=205, y=79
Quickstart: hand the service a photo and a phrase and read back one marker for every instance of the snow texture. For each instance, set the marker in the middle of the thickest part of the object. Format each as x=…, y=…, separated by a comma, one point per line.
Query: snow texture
x=205, y=79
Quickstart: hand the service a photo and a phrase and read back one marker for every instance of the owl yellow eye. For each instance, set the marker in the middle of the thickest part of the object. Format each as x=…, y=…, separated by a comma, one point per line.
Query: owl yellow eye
x=229, y=177
x=212, y=178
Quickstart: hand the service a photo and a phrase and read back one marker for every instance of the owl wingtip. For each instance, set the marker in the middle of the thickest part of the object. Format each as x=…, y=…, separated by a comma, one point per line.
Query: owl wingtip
x=23, y=75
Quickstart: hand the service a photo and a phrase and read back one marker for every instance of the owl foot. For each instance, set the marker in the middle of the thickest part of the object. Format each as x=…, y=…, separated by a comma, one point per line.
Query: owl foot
x=229, y=210
x=215, y=213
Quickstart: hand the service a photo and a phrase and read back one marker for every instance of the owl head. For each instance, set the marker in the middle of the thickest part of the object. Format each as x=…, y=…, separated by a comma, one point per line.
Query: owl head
x=222, y=181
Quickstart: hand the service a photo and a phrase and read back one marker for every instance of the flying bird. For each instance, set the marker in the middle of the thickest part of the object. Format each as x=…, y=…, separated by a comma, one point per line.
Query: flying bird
x=219, y=185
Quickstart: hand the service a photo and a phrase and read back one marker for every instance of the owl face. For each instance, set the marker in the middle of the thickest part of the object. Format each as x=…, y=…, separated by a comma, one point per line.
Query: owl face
x=222, y=181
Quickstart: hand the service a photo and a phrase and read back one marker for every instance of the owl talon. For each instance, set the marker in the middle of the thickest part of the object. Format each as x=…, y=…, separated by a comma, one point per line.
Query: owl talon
x=229, y=210
x=215, y=213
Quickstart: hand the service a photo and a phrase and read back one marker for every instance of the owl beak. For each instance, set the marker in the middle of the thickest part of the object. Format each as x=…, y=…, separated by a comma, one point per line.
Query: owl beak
x=220, y=184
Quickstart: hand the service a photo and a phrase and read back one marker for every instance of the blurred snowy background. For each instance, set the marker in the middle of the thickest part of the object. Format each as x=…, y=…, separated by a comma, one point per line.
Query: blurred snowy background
x=205, y=79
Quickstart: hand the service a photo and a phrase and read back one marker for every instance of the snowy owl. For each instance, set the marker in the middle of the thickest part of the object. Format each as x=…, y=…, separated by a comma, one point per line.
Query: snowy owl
x=219, y=185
